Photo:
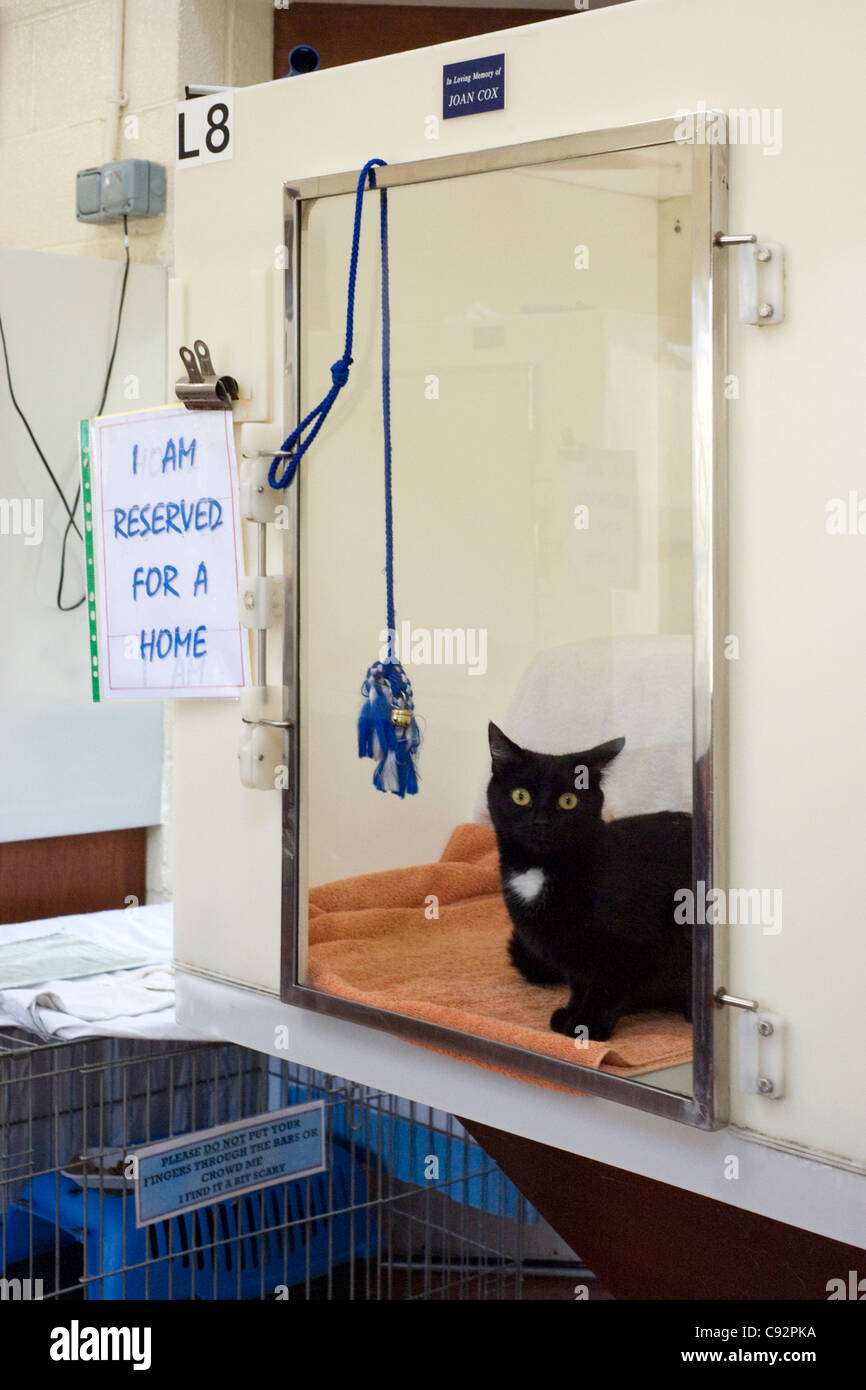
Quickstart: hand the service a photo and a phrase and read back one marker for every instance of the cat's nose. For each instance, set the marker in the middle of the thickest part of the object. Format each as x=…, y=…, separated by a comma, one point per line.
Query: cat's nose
x=542, y=820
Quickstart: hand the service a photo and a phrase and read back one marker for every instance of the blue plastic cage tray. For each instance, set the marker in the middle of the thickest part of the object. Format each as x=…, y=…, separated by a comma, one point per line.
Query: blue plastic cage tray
x=232, y=1249
x=404, y=1147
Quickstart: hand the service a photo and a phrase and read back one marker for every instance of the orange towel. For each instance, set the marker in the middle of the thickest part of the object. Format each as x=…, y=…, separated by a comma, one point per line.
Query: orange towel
x=371, y=940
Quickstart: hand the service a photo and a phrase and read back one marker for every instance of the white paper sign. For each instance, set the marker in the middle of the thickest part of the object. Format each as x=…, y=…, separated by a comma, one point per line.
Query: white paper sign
x=166, y=555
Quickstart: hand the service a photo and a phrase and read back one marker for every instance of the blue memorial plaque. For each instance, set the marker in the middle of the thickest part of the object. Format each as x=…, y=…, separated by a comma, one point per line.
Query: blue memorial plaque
x=469, y=88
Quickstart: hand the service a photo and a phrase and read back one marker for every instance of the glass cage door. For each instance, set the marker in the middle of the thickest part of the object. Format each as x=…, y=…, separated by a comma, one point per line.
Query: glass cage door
x=556, y=359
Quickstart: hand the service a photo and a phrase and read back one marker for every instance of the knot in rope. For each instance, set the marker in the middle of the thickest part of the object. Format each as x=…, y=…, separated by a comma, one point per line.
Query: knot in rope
x=340, y=372
x=302, y=436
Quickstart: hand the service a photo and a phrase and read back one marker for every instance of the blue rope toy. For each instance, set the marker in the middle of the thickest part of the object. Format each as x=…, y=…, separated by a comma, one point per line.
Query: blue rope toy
x=387, y=728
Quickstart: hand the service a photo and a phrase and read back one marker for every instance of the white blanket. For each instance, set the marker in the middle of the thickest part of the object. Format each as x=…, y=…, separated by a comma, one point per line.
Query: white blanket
x=135, y=1003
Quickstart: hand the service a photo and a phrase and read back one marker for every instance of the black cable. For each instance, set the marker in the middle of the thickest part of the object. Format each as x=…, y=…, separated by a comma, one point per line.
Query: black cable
x=70, y=607
x=110, y=367
x=71, y=524
x=26, y=423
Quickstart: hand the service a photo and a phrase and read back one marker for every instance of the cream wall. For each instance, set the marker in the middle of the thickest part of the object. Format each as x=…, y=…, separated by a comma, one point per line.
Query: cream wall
x=58, y=81
x=797, y=734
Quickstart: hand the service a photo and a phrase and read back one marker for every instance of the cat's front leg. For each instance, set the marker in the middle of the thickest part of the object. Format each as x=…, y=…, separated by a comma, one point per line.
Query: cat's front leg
x=531, y=966
x=597, y=1008
x=572, y=1016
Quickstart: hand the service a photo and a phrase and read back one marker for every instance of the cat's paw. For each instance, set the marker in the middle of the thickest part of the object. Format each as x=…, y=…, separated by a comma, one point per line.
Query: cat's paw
x=564, y=1021
x=590, y=1028
x=600, y=1030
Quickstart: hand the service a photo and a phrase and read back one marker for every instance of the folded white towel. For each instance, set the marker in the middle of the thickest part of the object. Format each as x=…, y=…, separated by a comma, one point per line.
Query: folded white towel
x=128, y=992
x=135, y=1003
x=121, y=994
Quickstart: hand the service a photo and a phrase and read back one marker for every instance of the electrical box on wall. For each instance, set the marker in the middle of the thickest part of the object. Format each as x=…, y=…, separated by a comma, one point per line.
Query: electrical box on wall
x=121, y=188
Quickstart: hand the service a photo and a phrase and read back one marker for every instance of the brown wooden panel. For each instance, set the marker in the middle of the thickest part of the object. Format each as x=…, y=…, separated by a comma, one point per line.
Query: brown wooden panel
x=644, y=1239
x=71, y=873
x=351, y=33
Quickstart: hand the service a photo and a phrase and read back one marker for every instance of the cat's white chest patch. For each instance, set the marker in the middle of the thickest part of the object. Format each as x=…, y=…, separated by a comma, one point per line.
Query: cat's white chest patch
x=529, y=885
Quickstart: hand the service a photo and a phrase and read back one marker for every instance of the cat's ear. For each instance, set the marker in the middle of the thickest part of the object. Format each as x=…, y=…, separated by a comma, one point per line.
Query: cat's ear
x=598, y=758
x=503, y=753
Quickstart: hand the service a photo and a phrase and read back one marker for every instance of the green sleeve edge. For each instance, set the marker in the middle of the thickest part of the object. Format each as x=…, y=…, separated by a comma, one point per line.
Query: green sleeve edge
x=87, y=506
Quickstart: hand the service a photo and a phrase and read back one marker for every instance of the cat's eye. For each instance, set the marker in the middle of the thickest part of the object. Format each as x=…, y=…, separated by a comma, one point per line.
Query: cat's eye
x=567, y=801
x=520, y=796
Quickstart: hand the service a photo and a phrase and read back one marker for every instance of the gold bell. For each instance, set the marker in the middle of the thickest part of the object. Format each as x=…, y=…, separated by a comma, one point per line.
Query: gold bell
x=401, y=717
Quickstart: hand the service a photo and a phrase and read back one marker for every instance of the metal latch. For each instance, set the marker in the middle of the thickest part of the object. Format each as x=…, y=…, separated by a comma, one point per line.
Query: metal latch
x=762, y=1047
x=203, y=389
x=265, y=762
x=761, y=274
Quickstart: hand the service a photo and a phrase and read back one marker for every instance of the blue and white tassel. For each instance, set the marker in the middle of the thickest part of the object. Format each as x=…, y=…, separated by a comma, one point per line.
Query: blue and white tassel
x=387, y=728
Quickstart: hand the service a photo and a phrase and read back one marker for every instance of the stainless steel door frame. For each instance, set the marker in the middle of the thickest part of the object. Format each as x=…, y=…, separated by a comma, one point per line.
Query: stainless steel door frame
x=707, y=1107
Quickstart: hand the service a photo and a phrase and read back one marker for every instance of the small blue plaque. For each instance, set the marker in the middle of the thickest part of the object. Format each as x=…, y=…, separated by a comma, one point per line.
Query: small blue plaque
x=468, y=88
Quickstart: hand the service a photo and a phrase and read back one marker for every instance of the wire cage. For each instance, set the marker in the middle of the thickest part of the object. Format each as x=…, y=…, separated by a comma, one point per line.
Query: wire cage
x=408, y=1207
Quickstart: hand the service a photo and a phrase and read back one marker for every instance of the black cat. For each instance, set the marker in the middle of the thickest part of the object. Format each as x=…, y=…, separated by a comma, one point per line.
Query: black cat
x=592, y=902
